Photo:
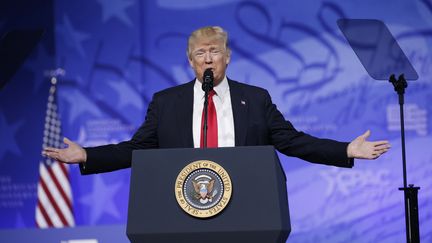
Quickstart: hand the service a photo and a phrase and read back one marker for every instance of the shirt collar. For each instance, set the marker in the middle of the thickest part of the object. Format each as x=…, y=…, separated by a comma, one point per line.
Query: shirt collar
x=221, y=89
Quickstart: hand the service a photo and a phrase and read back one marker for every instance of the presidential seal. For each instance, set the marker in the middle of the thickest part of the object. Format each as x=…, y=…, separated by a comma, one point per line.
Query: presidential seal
x=203, y=188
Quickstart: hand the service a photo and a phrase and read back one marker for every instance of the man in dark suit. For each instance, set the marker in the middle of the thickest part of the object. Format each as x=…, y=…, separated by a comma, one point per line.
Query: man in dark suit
x=244, y=116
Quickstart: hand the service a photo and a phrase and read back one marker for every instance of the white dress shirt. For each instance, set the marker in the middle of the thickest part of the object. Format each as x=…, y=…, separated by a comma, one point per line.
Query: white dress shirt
x=224, y=113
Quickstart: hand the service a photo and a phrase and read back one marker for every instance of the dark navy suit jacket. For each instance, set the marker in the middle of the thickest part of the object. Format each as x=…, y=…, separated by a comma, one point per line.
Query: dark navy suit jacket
x=168, y=124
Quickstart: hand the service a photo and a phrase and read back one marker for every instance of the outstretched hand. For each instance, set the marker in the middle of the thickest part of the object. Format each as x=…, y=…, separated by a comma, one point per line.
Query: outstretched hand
x=72, y=154
x=360, y=148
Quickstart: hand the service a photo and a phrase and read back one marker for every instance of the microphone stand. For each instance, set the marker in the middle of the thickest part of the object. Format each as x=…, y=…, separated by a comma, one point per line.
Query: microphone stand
x=410, y=191
x=205, y=118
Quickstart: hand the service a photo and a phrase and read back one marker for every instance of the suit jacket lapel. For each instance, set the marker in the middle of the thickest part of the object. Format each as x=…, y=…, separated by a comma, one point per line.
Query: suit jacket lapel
x=184, y=115
x=240, y=108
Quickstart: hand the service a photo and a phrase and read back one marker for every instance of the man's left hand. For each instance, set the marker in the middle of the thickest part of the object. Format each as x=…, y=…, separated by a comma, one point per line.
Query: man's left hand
x=359, y=148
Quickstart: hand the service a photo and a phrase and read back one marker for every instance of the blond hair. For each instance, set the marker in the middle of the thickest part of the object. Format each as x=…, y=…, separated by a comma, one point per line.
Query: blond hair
x=208, y=32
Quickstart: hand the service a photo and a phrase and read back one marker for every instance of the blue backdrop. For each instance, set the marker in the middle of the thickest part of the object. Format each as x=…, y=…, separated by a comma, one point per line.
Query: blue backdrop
x=117, y=53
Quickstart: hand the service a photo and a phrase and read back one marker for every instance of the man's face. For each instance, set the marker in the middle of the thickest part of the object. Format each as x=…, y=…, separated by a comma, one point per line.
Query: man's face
x=209, y=53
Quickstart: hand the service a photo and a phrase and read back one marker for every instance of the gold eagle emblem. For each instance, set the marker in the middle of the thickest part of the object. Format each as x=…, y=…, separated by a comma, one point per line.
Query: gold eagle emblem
x=203, y=190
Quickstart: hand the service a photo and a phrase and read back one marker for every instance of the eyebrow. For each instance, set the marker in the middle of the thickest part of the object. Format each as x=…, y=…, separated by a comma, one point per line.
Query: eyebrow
x=205, y=49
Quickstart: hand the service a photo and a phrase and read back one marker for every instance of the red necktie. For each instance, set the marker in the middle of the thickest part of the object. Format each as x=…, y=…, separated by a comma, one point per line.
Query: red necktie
x=212, y=127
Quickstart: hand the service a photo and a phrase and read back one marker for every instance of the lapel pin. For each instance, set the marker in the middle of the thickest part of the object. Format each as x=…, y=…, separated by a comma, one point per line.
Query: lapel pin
x=243, y=102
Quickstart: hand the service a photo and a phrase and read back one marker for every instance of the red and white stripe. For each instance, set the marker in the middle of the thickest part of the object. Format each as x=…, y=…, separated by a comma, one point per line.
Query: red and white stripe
x=54, y=206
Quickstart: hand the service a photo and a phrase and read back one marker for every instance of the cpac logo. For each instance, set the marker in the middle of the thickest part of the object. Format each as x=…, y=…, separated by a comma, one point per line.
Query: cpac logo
x=345, y=181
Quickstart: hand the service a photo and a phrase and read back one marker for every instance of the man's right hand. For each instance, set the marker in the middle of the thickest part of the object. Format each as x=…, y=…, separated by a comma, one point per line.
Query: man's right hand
x=71, y=155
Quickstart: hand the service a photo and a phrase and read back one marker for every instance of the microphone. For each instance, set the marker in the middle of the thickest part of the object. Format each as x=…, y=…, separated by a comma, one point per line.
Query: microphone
x=208, y=79
x=207, y=85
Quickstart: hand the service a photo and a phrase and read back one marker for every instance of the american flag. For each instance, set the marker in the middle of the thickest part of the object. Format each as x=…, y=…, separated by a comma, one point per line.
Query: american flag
x=54, y=205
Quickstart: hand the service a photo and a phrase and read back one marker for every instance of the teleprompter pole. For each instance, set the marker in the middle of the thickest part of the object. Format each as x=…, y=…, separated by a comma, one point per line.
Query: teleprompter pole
x=410, y=192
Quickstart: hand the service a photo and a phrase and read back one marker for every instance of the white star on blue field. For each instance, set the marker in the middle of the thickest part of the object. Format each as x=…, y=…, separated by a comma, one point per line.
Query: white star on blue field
x=8, y=137
x=79, y=104
x=101, y=199
x=127, y=95
x=71, y=36
x=116, y=9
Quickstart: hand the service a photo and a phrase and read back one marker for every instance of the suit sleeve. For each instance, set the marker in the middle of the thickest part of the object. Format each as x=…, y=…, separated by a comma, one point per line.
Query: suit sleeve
x=112, y=157
x=291, y=142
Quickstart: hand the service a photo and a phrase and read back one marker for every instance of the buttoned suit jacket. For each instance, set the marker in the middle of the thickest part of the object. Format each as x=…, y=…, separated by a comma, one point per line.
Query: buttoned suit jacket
x=257, y=121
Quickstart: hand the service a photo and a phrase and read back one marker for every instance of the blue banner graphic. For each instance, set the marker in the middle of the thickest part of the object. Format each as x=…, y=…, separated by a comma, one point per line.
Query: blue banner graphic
x=117, y=53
